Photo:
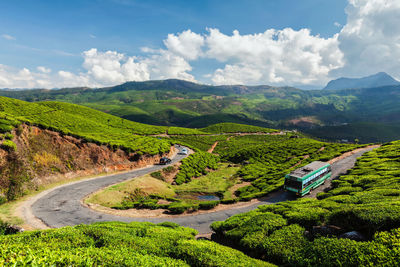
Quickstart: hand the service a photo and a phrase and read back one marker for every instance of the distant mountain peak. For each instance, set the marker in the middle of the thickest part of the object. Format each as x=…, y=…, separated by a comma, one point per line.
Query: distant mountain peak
x=377, y=80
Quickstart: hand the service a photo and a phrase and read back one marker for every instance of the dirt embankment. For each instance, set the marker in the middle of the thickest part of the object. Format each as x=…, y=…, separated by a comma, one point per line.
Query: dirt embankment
x=44, y=157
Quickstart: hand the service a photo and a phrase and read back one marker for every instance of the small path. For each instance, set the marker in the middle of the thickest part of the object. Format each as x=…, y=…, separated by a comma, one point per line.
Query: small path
x=213, y=147
x=62, y=205
x=298, y=163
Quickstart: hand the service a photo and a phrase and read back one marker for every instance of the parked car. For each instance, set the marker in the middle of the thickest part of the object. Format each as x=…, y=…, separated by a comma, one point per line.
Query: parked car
x=164, y=161
x=183, y=151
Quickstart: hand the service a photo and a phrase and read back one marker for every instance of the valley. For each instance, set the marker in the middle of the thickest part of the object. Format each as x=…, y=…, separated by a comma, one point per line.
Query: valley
x=367, y=114
x=200, y=133
x=239, y=170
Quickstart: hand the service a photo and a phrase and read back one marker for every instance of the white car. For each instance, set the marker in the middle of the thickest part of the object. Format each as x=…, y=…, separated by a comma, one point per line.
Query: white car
x=183, y=151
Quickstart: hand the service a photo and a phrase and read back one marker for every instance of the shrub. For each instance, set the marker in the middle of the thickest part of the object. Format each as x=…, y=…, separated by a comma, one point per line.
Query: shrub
x=4, y=128
x=283, y=244
x=8, y=145
x=179, y=207
x=8, y=136
x=118, y=244
x=367, y=218
x=229, y=200
x=342, y=252
x=206, y=253
x=158, y=175
x=196, y=165
x=207, y=205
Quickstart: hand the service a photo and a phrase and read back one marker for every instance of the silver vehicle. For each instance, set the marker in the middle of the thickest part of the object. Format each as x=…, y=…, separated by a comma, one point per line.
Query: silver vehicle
x=183, y=151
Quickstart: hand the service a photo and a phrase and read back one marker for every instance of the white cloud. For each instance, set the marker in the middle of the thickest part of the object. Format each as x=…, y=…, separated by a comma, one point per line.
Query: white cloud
x=186, y=44
x=18, y=78
x=337, y=24
x=370, y=40
x=164, y=65
x=43, y=69
x=275, y=56
x=8, y=37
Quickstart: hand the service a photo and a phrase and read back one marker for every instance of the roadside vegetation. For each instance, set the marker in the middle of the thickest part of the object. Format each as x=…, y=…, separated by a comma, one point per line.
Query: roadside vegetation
x=118, y=244
x=242, y=168
x=196, y=165
x=267, y=158
x=154, y=192
x=312, y=232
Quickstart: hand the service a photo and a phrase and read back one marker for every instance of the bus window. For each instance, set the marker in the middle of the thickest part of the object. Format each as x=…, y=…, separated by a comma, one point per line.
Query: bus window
x=293, y=183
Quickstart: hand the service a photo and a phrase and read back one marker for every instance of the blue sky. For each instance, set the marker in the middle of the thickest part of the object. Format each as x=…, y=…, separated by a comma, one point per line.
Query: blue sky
x=55, y=34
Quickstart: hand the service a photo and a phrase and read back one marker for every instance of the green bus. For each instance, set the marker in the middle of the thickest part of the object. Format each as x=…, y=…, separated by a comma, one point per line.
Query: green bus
x=304, y=179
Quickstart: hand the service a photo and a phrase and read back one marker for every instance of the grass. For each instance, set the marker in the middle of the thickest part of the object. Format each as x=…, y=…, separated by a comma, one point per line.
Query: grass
x=216, y=182
x=115, y=194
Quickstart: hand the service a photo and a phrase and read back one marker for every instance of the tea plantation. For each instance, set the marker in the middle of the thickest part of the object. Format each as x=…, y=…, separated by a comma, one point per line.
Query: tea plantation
x=91, y=125
x=227, y=127
x=118, y=244
x=257, y=165
x=265, y=159
x=306, y=232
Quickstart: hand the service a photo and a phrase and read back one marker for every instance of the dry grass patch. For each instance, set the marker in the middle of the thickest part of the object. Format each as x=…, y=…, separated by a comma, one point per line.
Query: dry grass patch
x=116, y=193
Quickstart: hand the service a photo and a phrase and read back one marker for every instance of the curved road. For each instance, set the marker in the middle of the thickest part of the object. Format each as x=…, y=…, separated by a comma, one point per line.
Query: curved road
x=62, y=206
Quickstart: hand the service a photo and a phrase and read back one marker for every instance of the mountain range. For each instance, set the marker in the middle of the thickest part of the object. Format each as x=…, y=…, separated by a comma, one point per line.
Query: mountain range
x=368, y=114
x=376, y=80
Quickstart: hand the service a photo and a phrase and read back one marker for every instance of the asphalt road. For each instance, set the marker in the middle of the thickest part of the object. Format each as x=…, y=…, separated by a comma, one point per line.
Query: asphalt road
x=62, y=206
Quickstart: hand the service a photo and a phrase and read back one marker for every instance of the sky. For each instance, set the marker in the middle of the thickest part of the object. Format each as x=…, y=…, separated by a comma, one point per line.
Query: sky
x=95, y=43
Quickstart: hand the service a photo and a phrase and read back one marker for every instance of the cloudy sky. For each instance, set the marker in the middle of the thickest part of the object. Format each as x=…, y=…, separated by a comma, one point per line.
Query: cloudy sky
x=49, y=44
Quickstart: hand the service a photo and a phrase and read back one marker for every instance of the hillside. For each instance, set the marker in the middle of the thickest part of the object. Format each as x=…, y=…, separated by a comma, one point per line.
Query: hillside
x=377, y=80
x=42, y=143
x=185, y=104
x=118, y=244
x=356, y=223
x=50, y=138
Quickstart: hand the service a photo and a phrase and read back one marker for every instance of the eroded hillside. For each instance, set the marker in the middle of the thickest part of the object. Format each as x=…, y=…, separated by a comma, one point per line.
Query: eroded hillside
x=43, y=156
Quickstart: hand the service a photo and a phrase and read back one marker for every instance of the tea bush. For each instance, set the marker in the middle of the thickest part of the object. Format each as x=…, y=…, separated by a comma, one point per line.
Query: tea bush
x=117, y=244
x=196, y=165
x=8, y=145
x=366, y=199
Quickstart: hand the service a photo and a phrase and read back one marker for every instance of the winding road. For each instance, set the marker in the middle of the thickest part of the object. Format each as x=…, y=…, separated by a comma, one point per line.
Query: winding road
x=62, y=205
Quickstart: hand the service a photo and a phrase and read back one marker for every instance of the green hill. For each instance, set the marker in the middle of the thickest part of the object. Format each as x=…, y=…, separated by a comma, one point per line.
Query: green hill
x=236, y=128
x=89, y=124
x=186, y=104
x=307, y=232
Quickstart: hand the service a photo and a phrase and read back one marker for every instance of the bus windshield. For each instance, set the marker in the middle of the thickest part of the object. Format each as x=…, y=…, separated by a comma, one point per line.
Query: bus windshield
x=292, y=183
